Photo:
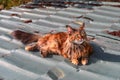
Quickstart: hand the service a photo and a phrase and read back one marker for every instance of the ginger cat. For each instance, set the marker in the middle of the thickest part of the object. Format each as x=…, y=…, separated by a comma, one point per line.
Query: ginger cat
x=72, y=44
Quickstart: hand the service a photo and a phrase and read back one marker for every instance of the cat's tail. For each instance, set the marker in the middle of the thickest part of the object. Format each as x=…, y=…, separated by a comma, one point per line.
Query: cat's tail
x=25, y=37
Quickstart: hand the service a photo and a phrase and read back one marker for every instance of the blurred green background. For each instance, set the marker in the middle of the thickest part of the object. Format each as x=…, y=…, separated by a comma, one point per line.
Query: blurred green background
x=6, y=4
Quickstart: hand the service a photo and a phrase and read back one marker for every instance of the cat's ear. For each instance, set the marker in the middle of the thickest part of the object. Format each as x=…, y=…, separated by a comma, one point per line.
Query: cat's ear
x=82, y=26
x=70, y=29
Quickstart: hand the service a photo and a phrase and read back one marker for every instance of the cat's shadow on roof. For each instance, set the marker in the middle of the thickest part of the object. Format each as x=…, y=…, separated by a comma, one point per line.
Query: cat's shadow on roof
x=99, y=54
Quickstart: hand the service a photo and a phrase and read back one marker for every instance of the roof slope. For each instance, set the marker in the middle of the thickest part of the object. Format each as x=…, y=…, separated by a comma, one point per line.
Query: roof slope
x=18, y=64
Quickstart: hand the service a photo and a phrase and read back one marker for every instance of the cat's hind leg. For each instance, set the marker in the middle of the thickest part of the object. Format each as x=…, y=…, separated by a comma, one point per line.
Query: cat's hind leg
x=31, y=47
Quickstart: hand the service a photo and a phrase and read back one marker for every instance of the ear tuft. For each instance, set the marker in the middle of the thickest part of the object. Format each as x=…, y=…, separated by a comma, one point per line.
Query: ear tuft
x=82, y=26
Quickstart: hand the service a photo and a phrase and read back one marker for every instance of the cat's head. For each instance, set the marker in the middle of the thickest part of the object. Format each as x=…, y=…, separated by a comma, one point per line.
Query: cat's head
x=76, y=35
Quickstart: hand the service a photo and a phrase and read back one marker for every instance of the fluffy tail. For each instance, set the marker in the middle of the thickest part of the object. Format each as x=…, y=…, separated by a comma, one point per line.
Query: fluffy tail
x=25, y=37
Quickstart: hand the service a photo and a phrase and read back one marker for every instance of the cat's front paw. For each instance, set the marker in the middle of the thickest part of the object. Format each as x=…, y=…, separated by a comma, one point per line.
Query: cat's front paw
x=84, y=61
x=75, y=61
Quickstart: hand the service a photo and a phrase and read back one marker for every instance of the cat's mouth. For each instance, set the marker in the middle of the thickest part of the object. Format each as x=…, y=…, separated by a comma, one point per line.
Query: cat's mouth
x=78, y=41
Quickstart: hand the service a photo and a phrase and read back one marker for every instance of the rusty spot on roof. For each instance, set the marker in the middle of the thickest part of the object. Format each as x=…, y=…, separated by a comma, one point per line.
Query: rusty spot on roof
x=114, y=33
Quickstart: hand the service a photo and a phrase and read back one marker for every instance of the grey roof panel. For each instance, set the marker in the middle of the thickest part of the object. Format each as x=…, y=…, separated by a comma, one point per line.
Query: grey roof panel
x=9, y=12
x=4, y=16
x=43, y=11
x=106, y=69
x=9, y=70
x=105, y=41
x=109, y=8
x=46, y=23
x=102, y=18
x=106, y=13
x=8, y=45
x=32, y=16
x=70, y=14
x=28, y=62
x=77, y=10
x=82, y=74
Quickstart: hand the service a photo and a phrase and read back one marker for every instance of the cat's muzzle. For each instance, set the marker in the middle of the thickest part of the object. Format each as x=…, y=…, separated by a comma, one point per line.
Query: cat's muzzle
x=78, y=41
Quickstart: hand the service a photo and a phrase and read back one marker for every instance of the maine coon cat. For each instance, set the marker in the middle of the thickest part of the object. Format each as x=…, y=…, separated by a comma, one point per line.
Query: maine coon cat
x=72, y=44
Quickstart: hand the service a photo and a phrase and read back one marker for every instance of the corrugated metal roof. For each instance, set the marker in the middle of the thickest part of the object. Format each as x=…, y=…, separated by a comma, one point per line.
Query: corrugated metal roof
x=18, y=64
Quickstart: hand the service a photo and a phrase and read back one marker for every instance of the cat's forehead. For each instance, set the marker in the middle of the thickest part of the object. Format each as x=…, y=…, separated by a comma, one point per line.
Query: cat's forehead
x=77, y=32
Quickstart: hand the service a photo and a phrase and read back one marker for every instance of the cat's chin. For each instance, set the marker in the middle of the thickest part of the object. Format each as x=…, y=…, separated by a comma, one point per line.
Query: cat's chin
x=78, y=42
